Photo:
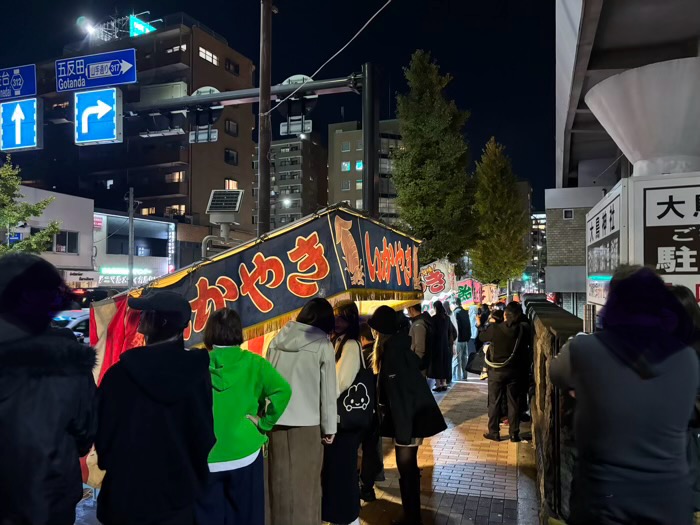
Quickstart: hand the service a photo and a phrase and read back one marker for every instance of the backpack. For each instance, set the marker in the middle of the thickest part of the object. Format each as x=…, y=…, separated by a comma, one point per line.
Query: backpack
x=430, y=343
x=356, y=404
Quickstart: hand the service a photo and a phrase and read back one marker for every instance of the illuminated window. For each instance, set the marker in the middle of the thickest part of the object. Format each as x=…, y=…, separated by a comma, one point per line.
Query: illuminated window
x=358, y=204
x=175, y=209
x=148, y=211
x=345, y=146
x=176, y=176
x=358, y=165
x=345, y=166
x=358, y=184
x=232, y=128
x=230, y=184
x=177, y=49
x=345, y=185
x=208, y=56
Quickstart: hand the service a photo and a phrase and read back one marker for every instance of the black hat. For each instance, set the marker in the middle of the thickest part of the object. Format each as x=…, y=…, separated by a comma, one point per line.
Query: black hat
x=384, y=321
x=164, y=302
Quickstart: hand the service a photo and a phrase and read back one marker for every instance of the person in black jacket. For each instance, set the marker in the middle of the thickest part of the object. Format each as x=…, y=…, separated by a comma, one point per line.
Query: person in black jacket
x=408, y=411
x=47, y=398
x=155, y=426
x=507, y=360
x=464, y=335
x=440, y=367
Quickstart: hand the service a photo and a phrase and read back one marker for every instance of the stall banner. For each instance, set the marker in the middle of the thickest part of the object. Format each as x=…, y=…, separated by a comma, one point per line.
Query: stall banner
x=438, y=279
x=469, y=292
x=337, y=254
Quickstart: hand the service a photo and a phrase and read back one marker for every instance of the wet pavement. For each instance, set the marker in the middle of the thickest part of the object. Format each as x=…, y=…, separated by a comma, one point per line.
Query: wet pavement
x=466, y=480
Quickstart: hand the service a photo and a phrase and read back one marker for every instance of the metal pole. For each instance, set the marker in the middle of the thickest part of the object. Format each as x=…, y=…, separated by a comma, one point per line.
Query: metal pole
x=370, y=133
x=264, y=125
x=131, y=237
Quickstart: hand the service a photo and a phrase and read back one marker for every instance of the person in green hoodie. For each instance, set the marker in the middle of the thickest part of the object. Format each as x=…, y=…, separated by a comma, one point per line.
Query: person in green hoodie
x=249, y=398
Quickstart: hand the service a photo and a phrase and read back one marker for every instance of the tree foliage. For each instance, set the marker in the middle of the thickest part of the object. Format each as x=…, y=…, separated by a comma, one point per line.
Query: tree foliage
x=501, y=251
x=430, y=170
x=14, y=212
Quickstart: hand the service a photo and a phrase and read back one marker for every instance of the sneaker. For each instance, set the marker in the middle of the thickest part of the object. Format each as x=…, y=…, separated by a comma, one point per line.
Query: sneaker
x=492, y=437
x=368, y=495
x=483, y=376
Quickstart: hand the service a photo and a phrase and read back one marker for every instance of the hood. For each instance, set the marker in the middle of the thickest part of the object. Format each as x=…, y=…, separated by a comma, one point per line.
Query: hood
x=166, y=372
x=42, y=356
x=295, y=336
x=223, y=361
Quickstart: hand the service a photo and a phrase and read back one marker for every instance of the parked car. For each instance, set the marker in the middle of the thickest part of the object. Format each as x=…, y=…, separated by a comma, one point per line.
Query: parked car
x=78, y=321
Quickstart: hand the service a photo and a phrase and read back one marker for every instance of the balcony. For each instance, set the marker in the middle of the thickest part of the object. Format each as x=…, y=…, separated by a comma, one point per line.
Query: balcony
x=156, y=190
x=101, y=160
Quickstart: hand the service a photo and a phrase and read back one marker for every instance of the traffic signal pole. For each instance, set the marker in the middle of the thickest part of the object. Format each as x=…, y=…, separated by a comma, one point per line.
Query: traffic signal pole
x=264, y=120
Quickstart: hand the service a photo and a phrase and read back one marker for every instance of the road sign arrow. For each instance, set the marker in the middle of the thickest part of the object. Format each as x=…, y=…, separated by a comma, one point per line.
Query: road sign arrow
x=126, y=66
x=17, y=118
x=101, y=109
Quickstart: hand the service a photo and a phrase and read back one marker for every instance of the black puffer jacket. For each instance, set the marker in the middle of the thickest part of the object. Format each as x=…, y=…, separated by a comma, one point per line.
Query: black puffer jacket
x=47, y=422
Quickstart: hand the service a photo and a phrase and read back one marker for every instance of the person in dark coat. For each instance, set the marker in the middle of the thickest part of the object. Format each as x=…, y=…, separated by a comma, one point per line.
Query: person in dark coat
x=635, y=383
x=507, y=362
x=47, y=398
x=464, y=335
x=408, y=411
x=440, y=367
x=155, y=426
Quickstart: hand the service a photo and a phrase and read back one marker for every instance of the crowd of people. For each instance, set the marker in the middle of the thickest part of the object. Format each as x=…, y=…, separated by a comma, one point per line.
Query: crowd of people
x=206, y=436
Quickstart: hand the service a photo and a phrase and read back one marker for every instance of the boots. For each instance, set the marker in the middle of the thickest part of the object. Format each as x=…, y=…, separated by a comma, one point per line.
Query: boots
x=410, y=500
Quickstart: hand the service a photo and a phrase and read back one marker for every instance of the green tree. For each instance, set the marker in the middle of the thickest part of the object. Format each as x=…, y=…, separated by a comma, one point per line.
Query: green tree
x=14, y=212
x=430, y=170
x=501, y=251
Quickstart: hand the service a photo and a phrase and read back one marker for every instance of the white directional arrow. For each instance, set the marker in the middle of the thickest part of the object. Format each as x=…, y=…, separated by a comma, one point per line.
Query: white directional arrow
x=126, y=66
x=101, y=109
x=17, y=118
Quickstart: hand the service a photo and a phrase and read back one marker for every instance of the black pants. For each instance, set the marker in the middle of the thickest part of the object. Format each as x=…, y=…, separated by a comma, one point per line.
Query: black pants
x=409, y=483
x=235, y=497
x=504, y=384
x=340, y=501
x=372, y=455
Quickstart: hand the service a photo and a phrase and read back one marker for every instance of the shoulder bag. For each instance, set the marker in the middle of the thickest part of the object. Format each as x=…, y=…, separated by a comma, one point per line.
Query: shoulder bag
x=356, y=404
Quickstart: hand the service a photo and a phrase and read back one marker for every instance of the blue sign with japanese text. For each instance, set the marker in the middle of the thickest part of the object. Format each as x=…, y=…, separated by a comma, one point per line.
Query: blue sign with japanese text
x=17, y=82
x=20, y=125
x=98, y=116
x=94, y=71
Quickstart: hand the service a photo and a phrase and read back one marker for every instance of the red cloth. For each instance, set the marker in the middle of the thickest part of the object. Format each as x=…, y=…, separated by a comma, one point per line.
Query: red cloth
x=121, y=334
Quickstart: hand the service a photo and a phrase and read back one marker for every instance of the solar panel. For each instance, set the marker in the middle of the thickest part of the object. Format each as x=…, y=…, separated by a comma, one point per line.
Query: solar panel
x=225, y=201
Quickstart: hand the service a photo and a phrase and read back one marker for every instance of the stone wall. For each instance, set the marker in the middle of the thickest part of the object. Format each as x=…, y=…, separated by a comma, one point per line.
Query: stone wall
x=552, y=411
x=566, y=238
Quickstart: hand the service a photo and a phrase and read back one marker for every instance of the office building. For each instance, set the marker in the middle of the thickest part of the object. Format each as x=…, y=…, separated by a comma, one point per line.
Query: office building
x=171, y=177
x=299, y=179
x=345, y=164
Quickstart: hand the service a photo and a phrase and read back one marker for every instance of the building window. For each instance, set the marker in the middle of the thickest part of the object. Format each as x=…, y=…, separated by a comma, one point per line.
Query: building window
x=359, y=145
x=358, y=204
x=230, y=184
x=345, y=146
x=232, y=128
x=208, y=56
x=358, y=165
x=63, y=241
x=254, y=219
x=568, y=215
x=148, y=211
x=358, y=184
x=232, y=67
x=176, y=176
x=345, y=185
x=175, y=209
x=177, y=49
x=345, y=166
x=231, y=157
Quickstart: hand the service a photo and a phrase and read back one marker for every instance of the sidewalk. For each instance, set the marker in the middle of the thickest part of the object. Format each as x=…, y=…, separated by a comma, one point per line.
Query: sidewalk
x=466, y=479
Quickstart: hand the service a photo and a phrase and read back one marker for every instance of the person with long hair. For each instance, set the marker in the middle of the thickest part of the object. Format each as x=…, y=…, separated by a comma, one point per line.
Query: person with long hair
x=249, y=398
x=340, y=480
x=303, y=354
x=690, y=304
x=635, y=384
x=440, y=368
x=408, y=411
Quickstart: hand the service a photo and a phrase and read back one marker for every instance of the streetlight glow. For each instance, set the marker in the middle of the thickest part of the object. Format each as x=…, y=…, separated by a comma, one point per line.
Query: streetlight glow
x=287, y=203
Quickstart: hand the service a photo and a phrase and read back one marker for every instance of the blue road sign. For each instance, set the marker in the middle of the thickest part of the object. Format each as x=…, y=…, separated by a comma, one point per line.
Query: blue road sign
x=98, y=116
x=94, y=71
x=17, y=82
x=21, y=124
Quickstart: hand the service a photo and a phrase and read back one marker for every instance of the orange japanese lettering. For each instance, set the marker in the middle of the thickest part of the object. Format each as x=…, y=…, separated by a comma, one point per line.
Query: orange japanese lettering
x=308, y=254
x=268, y=272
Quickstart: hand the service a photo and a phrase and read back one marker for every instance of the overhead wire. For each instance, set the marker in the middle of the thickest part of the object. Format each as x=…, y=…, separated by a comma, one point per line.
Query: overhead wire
x=371, y=19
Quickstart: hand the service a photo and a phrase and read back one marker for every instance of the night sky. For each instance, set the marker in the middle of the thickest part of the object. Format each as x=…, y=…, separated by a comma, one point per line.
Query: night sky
x=500, y=53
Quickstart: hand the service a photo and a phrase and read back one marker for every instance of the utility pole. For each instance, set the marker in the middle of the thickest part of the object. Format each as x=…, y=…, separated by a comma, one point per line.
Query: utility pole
x=264, y=120
x=370, y=142
x=131, y=237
